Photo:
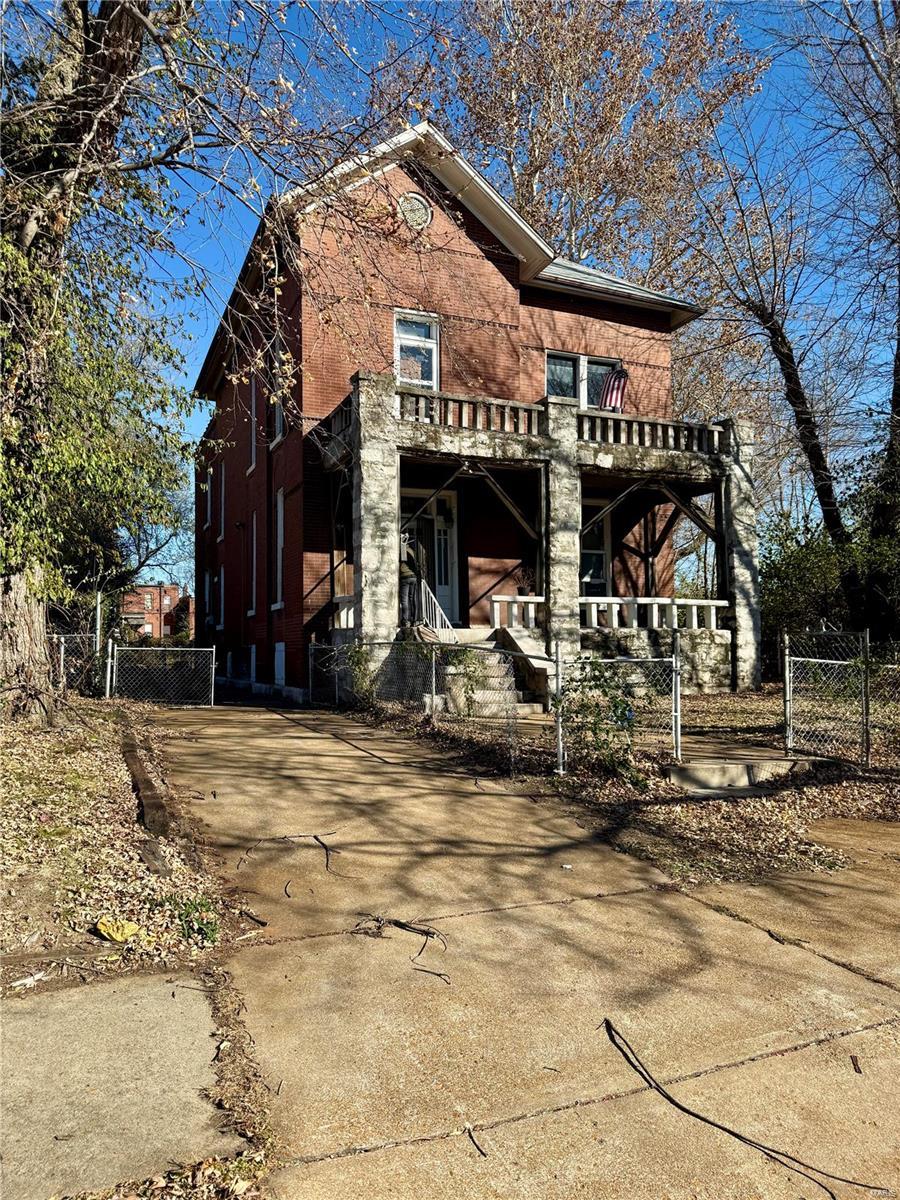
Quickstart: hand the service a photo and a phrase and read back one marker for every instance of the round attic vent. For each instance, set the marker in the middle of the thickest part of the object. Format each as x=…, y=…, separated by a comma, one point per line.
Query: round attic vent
x=415, y=210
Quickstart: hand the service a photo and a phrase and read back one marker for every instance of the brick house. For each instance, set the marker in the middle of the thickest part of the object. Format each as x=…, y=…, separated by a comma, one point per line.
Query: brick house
x=157, y=610
x=459, y=399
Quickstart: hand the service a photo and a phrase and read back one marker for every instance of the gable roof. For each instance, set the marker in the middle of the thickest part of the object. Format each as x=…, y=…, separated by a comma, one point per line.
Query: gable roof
x=539, y=267
x=459, y=177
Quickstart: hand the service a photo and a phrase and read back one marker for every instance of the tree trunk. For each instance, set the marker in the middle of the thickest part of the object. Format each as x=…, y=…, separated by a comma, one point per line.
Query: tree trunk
x=25, y=672
x=811, y=444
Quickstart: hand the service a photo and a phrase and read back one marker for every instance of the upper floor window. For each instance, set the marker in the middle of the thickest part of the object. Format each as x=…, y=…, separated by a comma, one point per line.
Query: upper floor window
x=148, y=601
x=221, y=501
x=253, y=420
x=416, y=350
x=209, y=481
x=578, y=377
x=277, y=370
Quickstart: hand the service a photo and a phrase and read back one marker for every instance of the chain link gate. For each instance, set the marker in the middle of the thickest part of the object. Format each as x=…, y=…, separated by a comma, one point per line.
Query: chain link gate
x=842, y=696
x=75, y=662
x=628, y=702
x=162, y=674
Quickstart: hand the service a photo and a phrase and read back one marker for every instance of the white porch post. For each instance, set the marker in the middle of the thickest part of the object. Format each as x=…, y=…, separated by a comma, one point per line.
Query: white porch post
x=563, y=526
x=376, y=492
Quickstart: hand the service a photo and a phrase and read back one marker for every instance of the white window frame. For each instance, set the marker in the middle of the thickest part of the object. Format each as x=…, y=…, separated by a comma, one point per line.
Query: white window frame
x=221, y=622
x=279, y=425
x=606, y=523
x=253, y=420
x=432, y=343
x=276, y=354
x=221, y=502
x=581, y=361
x=209, y=484
x=251, y=611
x=279, y=550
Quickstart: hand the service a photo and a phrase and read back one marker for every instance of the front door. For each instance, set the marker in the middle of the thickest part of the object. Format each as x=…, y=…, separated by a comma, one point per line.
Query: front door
x=435, y=530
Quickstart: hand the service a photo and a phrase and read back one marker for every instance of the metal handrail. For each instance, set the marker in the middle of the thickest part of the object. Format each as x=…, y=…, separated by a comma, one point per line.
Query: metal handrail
x=433, y=615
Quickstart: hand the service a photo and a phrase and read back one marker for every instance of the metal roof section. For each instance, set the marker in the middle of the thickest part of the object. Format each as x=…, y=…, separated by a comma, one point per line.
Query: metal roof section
x=566, y=276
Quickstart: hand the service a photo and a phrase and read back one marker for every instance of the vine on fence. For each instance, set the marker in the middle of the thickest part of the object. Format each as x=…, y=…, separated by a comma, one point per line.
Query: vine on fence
x=598, y=709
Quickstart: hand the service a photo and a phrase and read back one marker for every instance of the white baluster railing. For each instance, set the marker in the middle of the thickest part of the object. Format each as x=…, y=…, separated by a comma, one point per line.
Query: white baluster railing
x=343, y=612
x=432, y=615
x=662, y=612
x=515, y=612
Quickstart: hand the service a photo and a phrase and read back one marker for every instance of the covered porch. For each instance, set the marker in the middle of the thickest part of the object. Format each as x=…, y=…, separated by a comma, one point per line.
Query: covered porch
x=548, y=533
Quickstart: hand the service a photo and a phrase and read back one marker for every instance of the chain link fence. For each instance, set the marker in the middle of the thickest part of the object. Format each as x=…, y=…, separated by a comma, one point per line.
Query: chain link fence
x=162, y=675
x=469, y=690
x=842, y=696
x=75, y=663
x=600, y=708
x=884, y=702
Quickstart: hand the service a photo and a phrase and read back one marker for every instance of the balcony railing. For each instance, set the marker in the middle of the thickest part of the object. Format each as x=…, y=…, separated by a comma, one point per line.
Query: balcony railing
x=478, y=413
x=659, y=612
x=619, y=429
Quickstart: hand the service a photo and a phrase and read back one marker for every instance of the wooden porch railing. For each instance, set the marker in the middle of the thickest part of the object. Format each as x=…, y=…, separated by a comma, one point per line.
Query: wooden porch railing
x=478, y=413
x=618, y=429
x=662, y=612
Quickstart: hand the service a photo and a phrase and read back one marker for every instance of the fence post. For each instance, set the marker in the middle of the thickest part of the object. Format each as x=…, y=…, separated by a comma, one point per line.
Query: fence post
x=309, y=672
x=433, y=681
x=560, y=745
x=212, y=679
x=866, y=746
x=788, y=692
x=109, y=662
x=98, y=623
x=115, y=668
x=676, y=693
x=62, y=663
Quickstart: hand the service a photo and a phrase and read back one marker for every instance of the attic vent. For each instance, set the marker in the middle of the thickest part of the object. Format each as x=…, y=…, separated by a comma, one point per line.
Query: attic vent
x=415, y=210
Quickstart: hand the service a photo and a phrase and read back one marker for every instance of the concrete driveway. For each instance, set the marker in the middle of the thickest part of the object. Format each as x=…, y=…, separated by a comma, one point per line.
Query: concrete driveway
x=475, y=1065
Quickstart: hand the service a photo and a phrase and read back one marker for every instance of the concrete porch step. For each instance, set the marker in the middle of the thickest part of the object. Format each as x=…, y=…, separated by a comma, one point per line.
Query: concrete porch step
x=709, y=774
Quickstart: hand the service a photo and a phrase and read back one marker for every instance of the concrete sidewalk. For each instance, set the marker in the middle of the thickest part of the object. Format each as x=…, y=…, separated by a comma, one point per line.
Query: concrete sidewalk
x=381, y=1058
x=104, y=1083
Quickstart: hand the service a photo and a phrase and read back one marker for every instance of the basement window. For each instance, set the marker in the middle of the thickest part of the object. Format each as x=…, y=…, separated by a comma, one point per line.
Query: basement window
x=416, y=350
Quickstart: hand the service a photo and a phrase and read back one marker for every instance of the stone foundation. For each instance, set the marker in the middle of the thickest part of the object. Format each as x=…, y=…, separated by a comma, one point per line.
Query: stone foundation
x=705, y=653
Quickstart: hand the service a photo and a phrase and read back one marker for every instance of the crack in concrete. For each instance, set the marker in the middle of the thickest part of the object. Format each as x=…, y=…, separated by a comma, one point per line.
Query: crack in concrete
x=785, y=939
x=287, y=938
x=583, y=1102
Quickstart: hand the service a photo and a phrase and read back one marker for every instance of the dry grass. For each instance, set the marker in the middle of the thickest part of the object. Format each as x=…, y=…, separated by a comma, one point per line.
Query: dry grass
x=71, y=846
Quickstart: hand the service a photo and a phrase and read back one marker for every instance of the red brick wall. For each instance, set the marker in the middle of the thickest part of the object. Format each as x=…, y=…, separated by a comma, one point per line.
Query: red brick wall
x=159, y=615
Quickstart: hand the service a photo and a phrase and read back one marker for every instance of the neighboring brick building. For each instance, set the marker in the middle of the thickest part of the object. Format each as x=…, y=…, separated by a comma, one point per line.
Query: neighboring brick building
x=158, y=610
x=450, y=386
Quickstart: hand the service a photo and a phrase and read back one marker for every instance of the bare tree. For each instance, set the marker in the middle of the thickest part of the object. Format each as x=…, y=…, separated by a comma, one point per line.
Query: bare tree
x=126, y=127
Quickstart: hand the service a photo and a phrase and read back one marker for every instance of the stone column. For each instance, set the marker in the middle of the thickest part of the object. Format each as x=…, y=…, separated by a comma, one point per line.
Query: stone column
x=563, y=573
x=376, y=498
x=741, y=566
